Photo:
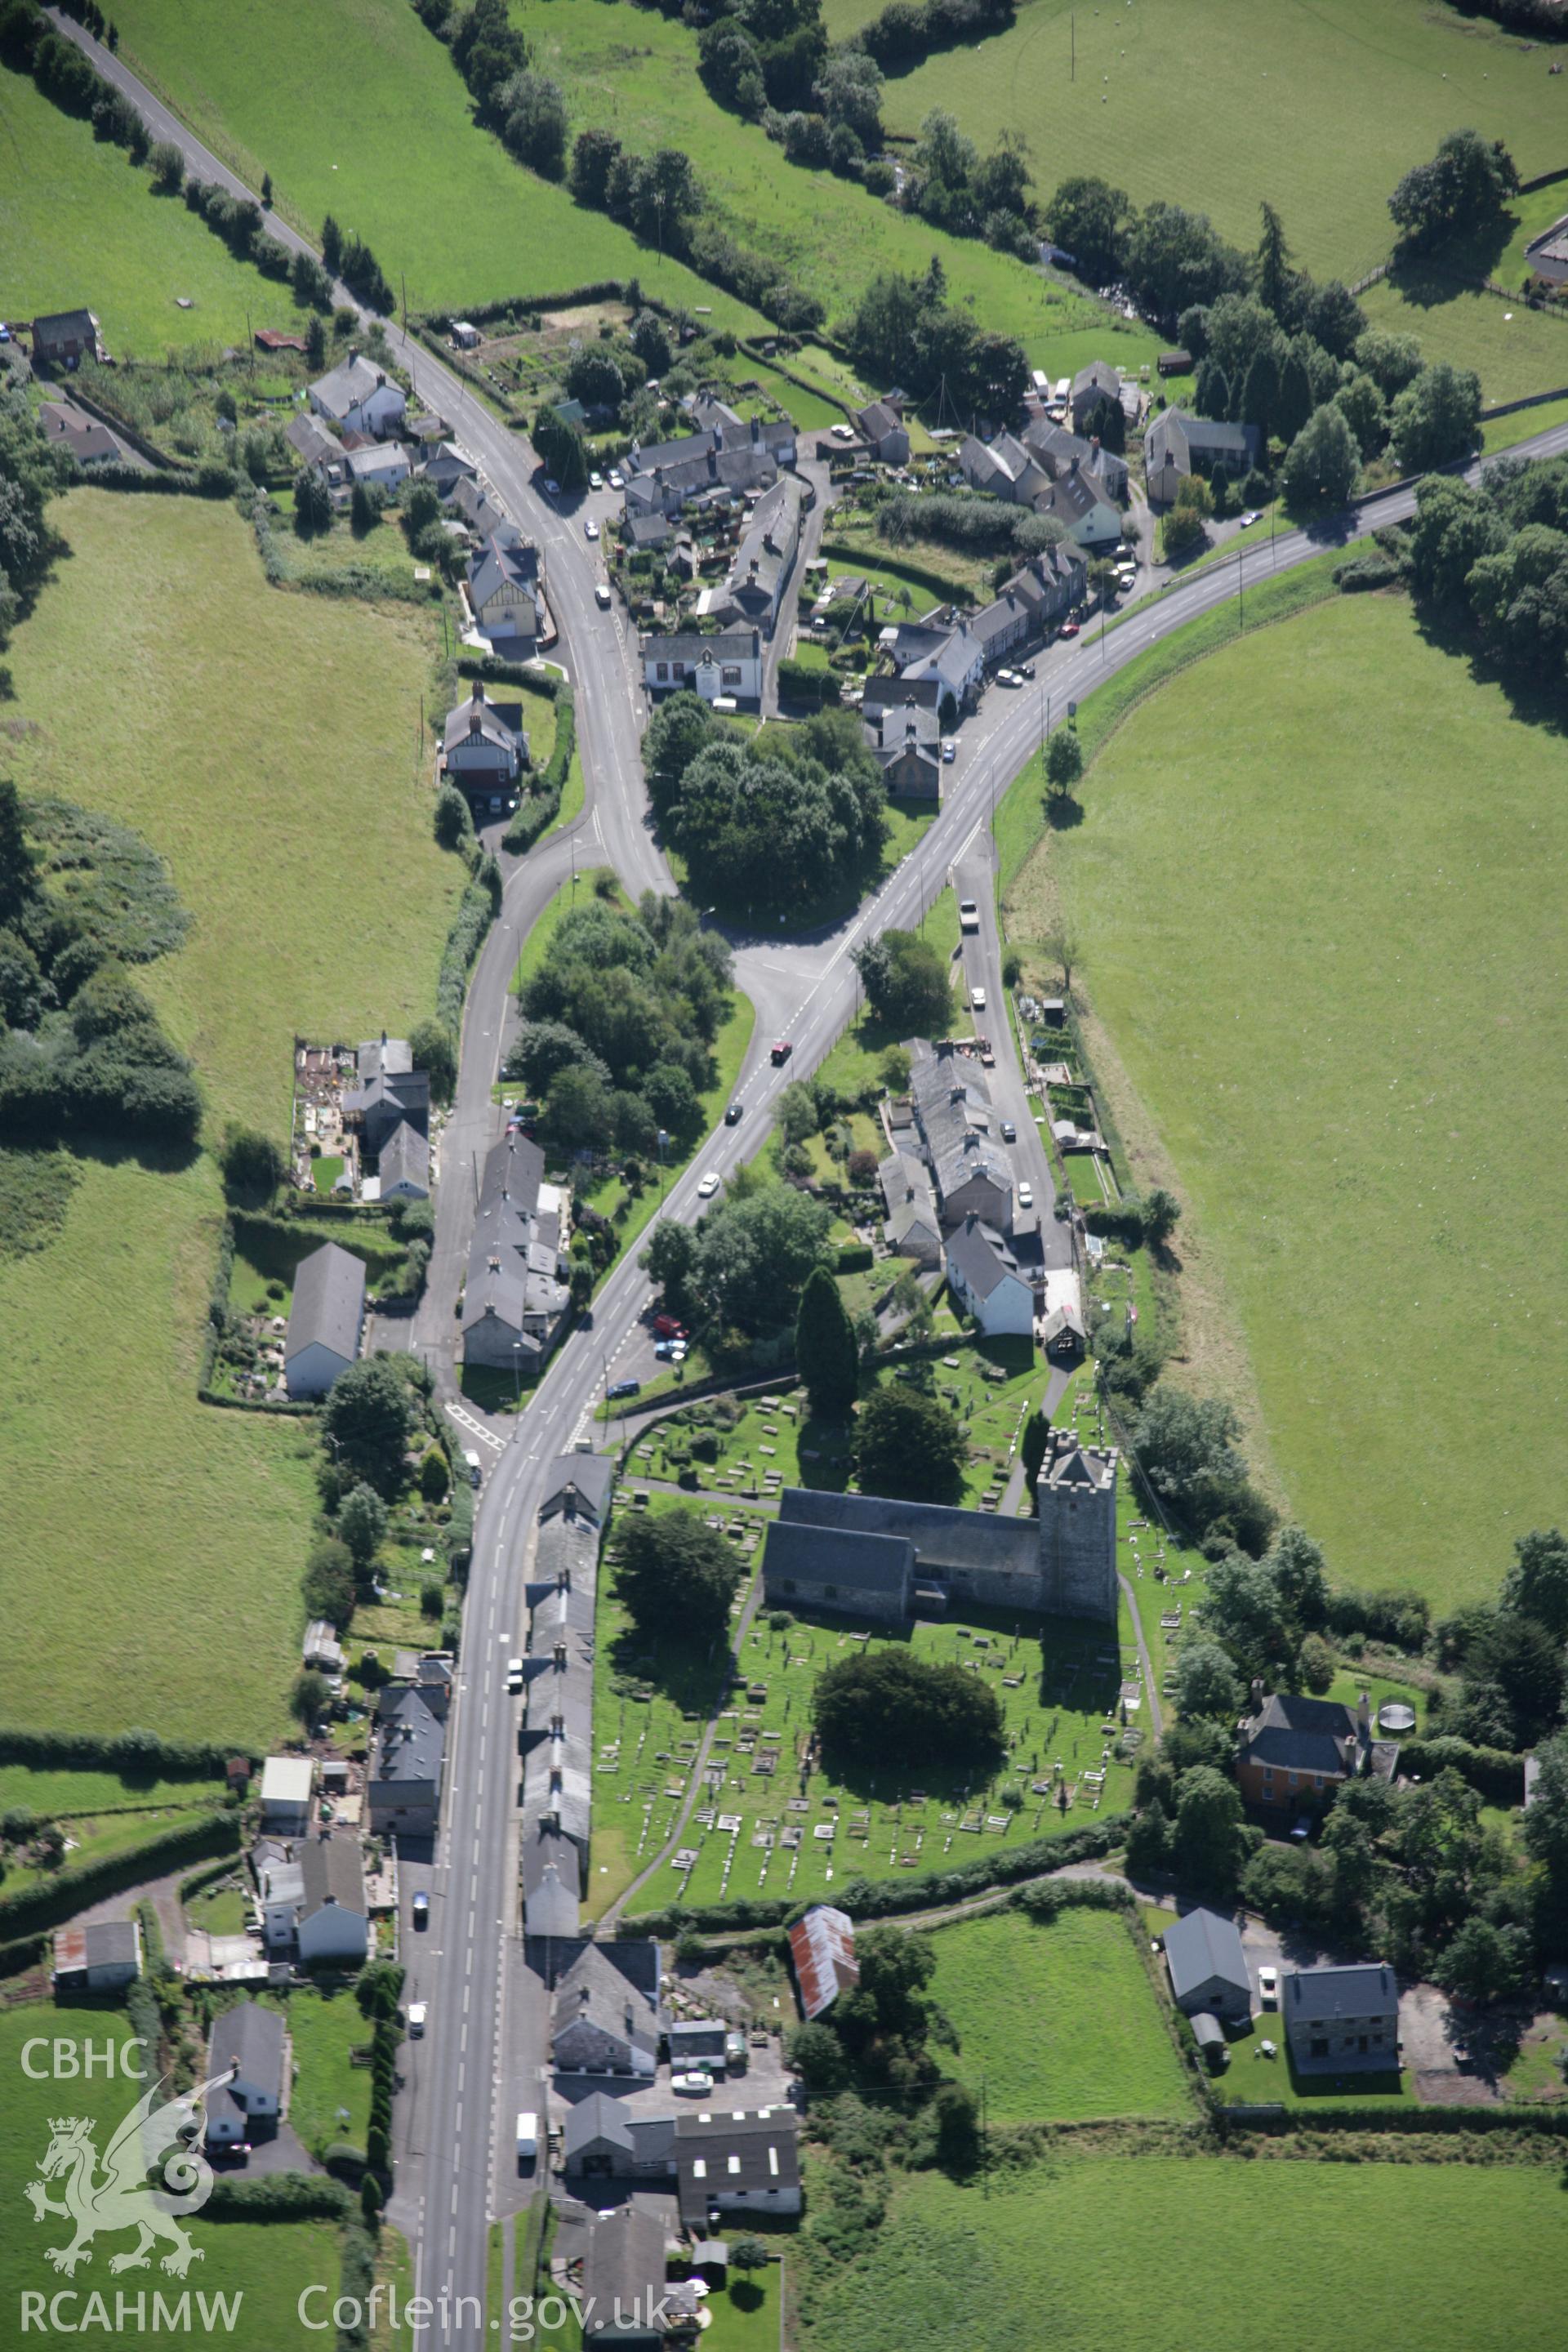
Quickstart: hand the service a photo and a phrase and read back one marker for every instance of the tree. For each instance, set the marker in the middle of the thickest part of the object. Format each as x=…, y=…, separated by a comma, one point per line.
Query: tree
x=453, y=823
x=1275, y=278
x=1301, y=1577
x=817, y=2055
x=909, y=1444
x=956, y=2111
x=650, y=341
x=1322, y=463
x=1365, y=412
x=1392, y=361
x=1090, y=220
x=562, y=449
x=309, y=1697
x=1206, y=1845
x=434, y=1477
x=579, y=1110
x=1546, y=1838
x=889, y=1708
x=749, y=2254
x=1061, y=946
x=313, y=503
x=894, y=1070
x=1315, y=1667
x=1436, y=418
x=168, y=167
x=434, y=1051
x=1244, y=1611
x=329, y=1583
x=331, y=244
x=362, y=1524
x=253, y=1164
x=906, y=983
x=1186, y=1445
x=1537, y=1583
x=1194, y=505
x=676, y=1575
x=532, y=114
x=752, y=1256
x=1260, y=393
x=1485, y=1964
x=593, y=377
x=668, y=1262
x=824, y=1352
x=1160, y=1211
x=1064, y=762
x=368, y=1415
x=1037, y=1435
x=1463, y=188
x=1206, y=1683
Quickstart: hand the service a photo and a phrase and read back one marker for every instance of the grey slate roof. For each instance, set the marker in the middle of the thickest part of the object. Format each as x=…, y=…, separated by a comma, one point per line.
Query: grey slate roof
x=1297, y=1734
x=598, y=2117
x=252, y=2037
x=345, y=387
x=328, y=1310
x=1203, y=1945
x=511, y=1257
x=505, y=559
x=495, y=722
x=688, y=645
x=982, y=1258
x=755, y=2152
x=623, y=2274
x=330, y=1868
x=410, y=1737
x=111, y=1943
x=942, y=1537
x=608, y=1985
x=1176, y=431
x=1363, y=1989
x=581, y=1482
x=846, y=1558
x=1099, y=376
x=404, y=1159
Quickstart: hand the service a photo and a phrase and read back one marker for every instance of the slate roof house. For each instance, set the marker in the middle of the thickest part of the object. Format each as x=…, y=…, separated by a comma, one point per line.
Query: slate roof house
x=515, y=1295
x=606, y=2017
x=1207, y=1966
x=1178, y=444
x=315, y=445
x=1295, y=1751
x=625, y=2301
x=983, y=1275
x=833, y=1570
x=66, y=426
x=739, y=2163
x=1003, y=469
x=951, y=1104
x=764, y=560
x=1078, y=501
x=908, y=745
x=912, y=1227
x=503, y=593
x=483, y=743
x=247, y=2047
x=391, y=1108
x=558, y=1667
x=728, y=663
x=1098, y=381
x=551, y=1874
x=408, y=1751
x=948, y=652
x=605, y=2139
x=359, y=397
x=1342, y=2020
x=62, y=338
x=99, y=1957
x=325, y=1320
x=381, y=464
x=883, y=431
x=279, y=1892
x=334, y=1917
x=579, y=1485
x=1055, y=449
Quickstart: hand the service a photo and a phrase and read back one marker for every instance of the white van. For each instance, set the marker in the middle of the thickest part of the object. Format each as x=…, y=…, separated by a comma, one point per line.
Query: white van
x=471, y=1464
x=527, y=2137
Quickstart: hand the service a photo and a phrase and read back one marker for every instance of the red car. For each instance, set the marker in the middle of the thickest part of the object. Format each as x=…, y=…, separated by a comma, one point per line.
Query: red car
x=782, y=1050
x=667, y=1328
x=1068, y=629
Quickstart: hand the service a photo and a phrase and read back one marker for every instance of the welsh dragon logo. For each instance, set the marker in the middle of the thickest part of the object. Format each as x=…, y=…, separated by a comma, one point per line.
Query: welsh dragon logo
x=120, y=2195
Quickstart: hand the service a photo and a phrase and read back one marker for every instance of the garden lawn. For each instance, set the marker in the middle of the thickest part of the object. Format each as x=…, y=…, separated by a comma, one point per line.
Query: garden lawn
x=441, y=204
x=263, y=2266
x=79, y=223
x=1359, y=966
x=58, y=1793
x=324, y=2027
x=1056, y=2022
x=96, y=1837
x=265, y=743
x=745, y=2313
x=154, y=1545
x=1319, y=108
x=1226, y=2253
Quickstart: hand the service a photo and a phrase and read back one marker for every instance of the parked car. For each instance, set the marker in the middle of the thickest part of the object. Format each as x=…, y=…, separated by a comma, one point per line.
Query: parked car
x=418, y=2011
x=693, y=2085
x=617, y=481
x=670, y=1351
x=514, y=1675
x=623, y=1388
x=1025, y=1196
x=1008, y=677
x=949, y=750
x=709, y=1186
x=1027, y=669
x=667, y=1326
x=968, y=915
x=552, y=486
x=590, y=527
x=1269, y=1988
x=844, y=433
x=1068, y=629
x=595, y=481
x=1252, y=515
x=422, y=1910
x=1009, y=1131
x=601, y=596
x=733, y=1115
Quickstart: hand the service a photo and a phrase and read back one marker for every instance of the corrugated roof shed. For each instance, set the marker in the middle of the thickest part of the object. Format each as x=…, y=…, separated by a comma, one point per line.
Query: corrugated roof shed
x=821, y=1947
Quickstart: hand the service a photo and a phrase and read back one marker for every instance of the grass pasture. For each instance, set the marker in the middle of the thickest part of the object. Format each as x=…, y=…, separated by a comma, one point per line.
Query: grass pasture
x=1057, y=2023
x=58, y=1793
x=1514, y=350
x=1224, y=2252
x=1319, y=105
x=79, y=223
x=331, y=2096
x=1358, y=959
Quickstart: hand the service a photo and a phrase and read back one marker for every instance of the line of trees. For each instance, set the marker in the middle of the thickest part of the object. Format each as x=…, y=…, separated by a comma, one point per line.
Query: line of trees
x=1494, y=559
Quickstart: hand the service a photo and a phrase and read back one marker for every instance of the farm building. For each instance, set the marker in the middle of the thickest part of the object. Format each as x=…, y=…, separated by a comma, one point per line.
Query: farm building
x=99, y=1957
x=286, y=1785
x=1207, y=1966
x=821, y=1947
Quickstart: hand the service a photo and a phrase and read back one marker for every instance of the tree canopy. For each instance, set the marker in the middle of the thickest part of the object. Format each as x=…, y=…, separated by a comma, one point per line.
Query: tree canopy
x=675, y=1573
x=825, y=1354
x=909, y=1443
x=367, y=1419
x=906, y=983
x=890, y=1710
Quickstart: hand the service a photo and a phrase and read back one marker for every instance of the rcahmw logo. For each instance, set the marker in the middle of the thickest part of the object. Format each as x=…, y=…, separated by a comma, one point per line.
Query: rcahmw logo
x=101, y=2196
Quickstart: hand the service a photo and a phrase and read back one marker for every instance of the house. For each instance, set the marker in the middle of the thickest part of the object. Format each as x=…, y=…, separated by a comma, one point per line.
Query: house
x=603, y=2137
x=504, y=595
x=446, y=467
x=907, y=744
x=100, y=1958
x=408, y=1747
x=606, y=2017
x=739, y=2163
x=325, y=1320
x=579, y=1486
x=359, y=397
x=64, y=338
x=1342, y=2020
x=1055, y=450
x=515, y=1294
x=983, y=1275
x=953, y=1116
x=730, y=665
x=474, y=509
x=947, y=653
x=1207, y=1966
x=483, y=744
x=765, y=559
x=883, y=431
x=884, y=694
x=1295, y=1751
x=1097, y=381
x=321, y=1648
x=403, y=1165
x=644, y=533
x=1078, y=502
x=379, y=465
x=1177, y=362
x=334, y=1917
x=313, y=444
x=279, y=1892
x=558, y=1669
x=390, y=1091
x=624, y=2299
x=66, y=426
x=247, y=2049
x=1178, y=444
x=1064, y=1336
x=838, y=1571
x=1003, y=469
x=822, y=1948
x=287, y=1782
x=551, y=1874
x=912, y=1226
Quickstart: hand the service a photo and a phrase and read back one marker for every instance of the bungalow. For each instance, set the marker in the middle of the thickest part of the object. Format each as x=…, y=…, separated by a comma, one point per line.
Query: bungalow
x=884, y=432
x=1079, y=502
x=65, y=338
x=1295, y=1752
x=1342, y=2020
x=334, y=1917
x=247, y=2051
x=379, y=465
x=607, y=2018
x=287, y=1782
x=983, y=1275
x=1178, y=444
x=1207, y=1966
x=503, y=593
x=483, y=744
x=1097, y=381
x=730, y=665
x=97, y=1958
x=66, y=426
x=359, y=397
x=325, y=1320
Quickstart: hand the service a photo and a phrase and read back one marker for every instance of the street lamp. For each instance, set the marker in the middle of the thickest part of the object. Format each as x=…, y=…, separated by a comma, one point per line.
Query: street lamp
x=663, y=1146
x=517, y=1375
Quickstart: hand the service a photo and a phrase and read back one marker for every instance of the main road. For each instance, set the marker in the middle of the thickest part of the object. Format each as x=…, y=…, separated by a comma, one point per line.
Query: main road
x=485, y=2050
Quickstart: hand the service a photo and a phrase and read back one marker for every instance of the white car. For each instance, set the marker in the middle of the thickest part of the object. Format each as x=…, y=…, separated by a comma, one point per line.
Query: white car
x=1252, y=515
x=844, y=433
x=969, y=914
x=601, y=596
x=617, y=481
x=1025, y=1196
x=1008, y=677
x=1269, y=1988
x=592, y=528
x=977, y=998
x=595, y=481
x=949, y=750
x=418, y=2011
x=694, y=2084
x=709, y=1186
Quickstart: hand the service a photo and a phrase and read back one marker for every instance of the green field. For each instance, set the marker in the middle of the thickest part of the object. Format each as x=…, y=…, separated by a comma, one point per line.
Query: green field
x=266, y=744
x=1329, y=963
x=1114, y=2250
x=1056, y=2024
x=441, y=202
x=79, y=223
x=1513, y=350
x=56, y=1794
x=1319, y=105
x=323, y=2029
x=265, y=2265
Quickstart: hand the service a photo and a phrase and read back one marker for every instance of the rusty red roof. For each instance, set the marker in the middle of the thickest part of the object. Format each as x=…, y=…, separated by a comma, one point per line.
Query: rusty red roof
x=822, y=1945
